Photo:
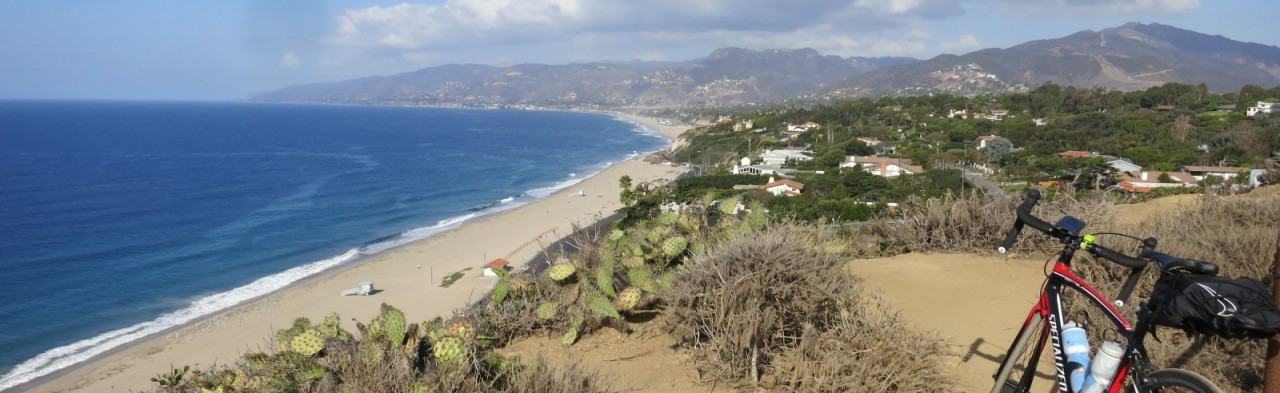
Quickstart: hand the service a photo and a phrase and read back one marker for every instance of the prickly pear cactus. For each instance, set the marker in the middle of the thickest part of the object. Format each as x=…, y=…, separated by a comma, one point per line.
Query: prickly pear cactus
x=600, y=305
x=462, y=328
x=331, y=328
x=307, y=343
x=616, y=235
x=547, y=310
x=674, y=246
x=285, y=336
x=570, y=337
x=628, y=298
x=643, y=278
x=604, y=280
x=393, y=325
x=561, y=271
x=500, y=290
x=450, y=350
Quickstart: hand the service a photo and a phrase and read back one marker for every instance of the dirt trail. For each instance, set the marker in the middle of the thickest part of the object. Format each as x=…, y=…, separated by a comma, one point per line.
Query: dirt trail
x=976, y=303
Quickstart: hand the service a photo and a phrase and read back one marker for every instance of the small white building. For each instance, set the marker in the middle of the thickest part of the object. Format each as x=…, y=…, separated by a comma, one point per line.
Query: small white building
x=1263, y=107
x=1123, y=164
x=1224, y=172
x=786, y=187
x=745, y=167
x=870, y=141
x=882, y=166
x=780, y=156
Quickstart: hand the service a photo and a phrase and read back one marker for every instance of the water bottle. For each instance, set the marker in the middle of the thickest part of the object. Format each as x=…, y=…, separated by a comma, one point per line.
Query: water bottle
x=1075, y=342
x=1103, y=367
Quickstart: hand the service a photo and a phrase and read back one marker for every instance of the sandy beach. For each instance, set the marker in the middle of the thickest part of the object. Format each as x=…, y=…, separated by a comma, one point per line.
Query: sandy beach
x=408, y=277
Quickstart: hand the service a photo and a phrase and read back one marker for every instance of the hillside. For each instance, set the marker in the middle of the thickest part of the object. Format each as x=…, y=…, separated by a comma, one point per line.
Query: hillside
x=727, y=76
x=1130, y=57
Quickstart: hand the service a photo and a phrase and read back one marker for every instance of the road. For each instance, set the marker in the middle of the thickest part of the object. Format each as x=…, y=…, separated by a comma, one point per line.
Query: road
x=988, y=186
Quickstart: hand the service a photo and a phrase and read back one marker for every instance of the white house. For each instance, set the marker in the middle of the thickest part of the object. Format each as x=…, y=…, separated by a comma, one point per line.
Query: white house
x=1224, y=172
x=1263, y=107
x=983, y=140
x=780, y=156
x=1123, y=164
x=1144, y=182
x=882, y=166
x=744, y=166
x=870, y=141
x=786, y=187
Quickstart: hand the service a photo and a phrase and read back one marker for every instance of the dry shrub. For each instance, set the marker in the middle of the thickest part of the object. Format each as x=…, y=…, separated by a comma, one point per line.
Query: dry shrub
x=745, y=305
x=866, y=350
x=971, y=222
x=1239, y=234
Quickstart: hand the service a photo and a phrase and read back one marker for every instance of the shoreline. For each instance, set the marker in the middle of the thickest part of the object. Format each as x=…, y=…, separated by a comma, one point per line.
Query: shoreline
x=406, y=276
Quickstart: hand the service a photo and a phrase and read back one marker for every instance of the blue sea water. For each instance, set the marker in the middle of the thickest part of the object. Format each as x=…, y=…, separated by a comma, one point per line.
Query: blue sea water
x=122, y=219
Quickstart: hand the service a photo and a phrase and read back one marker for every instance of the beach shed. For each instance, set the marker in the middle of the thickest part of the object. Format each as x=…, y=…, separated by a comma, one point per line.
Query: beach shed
x=500, y=263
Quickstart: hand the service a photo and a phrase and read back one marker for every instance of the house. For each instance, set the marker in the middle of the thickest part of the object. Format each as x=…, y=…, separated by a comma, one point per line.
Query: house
x=1143, y=182
x=882, y=166
x=997, y=114
x=957, y=113
x=1039, y=121
x=1070, y=154
x=780, y=156
x=983, y=140
x=1263, y=107
x=744, y=125
x=1123, y=164
x=786, y=187
x=870, y=141
x=1224, y=172
x=746, y=167
x=1163, y=108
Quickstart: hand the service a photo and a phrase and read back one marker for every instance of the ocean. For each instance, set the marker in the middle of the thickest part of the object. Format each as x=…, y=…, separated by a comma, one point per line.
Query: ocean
x=122, y=219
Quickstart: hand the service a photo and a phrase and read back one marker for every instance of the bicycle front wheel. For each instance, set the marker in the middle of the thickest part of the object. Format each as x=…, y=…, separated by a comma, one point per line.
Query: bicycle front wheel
x=1018, y=368
x=1172, y=380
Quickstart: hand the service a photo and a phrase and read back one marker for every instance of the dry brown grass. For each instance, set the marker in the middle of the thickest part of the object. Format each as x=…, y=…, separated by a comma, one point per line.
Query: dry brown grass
x=1238, y=233
x=775, y=307
x=970, y=222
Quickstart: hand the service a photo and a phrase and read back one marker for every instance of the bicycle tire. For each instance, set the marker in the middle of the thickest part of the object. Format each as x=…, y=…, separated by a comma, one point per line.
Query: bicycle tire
x=1017, y=370
x=1173, y=380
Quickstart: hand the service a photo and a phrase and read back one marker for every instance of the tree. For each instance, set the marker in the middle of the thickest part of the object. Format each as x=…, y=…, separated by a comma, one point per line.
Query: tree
x=627, y=196
x=996, y=149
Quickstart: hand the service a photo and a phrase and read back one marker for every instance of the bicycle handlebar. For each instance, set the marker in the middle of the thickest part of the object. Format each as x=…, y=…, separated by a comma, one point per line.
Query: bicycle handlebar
x=1026, y=218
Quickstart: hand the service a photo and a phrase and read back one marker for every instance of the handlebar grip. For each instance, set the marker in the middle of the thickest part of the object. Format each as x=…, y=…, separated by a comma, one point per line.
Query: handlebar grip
x=1117, y=257
x=1025, y=216
x=1033, y=196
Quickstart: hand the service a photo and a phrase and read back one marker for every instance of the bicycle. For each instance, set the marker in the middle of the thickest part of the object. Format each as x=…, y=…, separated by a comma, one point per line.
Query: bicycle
x=1044, y=324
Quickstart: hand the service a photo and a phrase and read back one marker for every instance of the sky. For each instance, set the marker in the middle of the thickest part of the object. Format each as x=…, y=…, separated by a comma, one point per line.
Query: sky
x=231, y=49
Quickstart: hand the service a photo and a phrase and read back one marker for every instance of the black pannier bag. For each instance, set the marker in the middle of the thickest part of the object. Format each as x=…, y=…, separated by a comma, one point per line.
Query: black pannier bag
x=1215, y=306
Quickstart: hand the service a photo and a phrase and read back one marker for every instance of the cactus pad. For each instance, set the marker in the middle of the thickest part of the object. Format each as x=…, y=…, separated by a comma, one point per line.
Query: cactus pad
x=561, y=271
x=628, y=298
x=450, y=351
x=462, y=328
x=674, y=246
x=307, y=343
x=547, y=310
x=600, y=305
x=615, y=235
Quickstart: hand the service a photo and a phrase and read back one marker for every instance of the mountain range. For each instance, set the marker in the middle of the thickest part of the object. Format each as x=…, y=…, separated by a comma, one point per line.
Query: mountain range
x=1130, y=57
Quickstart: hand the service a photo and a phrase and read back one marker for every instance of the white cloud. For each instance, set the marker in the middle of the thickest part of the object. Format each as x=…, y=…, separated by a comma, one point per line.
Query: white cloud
x=462, y=23
x=290, y=60
x=963, y=44
x=1102, y=7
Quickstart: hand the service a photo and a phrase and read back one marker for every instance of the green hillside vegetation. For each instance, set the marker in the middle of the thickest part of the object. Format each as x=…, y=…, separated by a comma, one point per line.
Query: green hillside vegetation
x=1161, y=129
